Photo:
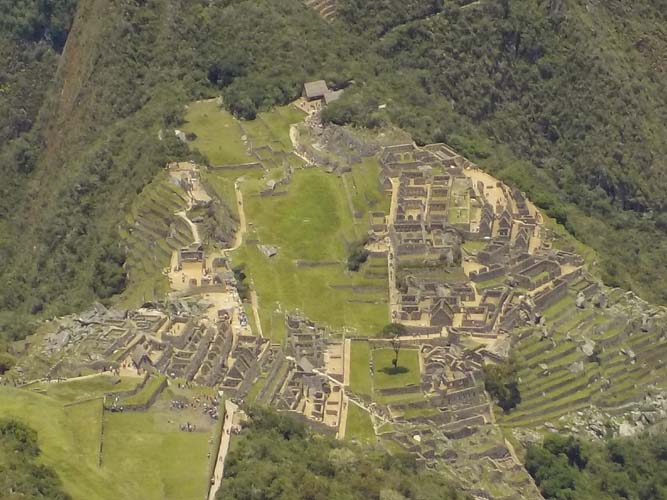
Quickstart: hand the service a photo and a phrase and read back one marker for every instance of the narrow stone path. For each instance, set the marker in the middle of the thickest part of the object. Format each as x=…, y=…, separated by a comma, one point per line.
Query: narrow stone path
x=348, y=197
x=193, y=227
x=391, y=278
x=294, y=138
x=255, y=311
x=243, y=226
x=230, y=410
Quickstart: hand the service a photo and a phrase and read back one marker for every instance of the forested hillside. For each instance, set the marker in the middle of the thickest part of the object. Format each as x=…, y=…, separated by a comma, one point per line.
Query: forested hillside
x=20, y=475
x=567, y=468
x=567, y=99
x=279, y=458
x=564, y=98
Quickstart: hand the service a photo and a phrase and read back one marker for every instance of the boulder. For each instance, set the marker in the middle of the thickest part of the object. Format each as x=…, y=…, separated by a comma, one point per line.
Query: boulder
x=576, y=367
x=627, y=430
x=588, y=348
x=600, y=300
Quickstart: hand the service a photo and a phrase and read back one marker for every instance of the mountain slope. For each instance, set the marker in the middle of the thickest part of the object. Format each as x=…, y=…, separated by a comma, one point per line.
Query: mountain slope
x=563, y=98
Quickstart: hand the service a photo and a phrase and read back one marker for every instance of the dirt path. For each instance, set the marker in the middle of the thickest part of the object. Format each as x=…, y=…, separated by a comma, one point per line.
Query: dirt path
x=342, y=427
x=230, y=410
x=243, y=226
x=193, y=227
x=347, y=352
x=393, y=292
x=255, y=311
x=294, y=138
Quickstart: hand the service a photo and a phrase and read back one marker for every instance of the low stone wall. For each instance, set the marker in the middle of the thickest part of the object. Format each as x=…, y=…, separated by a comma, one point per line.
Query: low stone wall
x=151, y=401
x=318, y=426
x=267, y=193
x=240, y=166
x=488, y=273
x=131, y=392
x=411, y=389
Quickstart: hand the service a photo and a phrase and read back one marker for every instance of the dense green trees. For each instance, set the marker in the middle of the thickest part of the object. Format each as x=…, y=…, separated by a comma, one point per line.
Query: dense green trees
x=279, y=458
x=501, y=382
x=357, y=255
x=20, y=475
x=566, y=468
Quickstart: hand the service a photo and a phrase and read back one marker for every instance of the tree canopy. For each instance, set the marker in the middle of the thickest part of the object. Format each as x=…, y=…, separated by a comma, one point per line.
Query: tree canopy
x=20, y=474
x=566, y=468
x=278, y=458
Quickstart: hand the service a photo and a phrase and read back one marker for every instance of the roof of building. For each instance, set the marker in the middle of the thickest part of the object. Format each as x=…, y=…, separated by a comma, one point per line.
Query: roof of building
x=316, y=90
x=139, y=355
x=332, y=96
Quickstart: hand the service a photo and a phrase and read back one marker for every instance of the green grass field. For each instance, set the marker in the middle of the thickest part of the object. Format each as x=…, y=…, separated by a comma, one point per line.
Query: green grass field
x=222, y=180
x=359, y=426
x=143, y=457
x=218, y=134
x=79, y=389
x=312, y=223
x=364, y=183
x=360, y=378
x=146, y=392
x=162, y=463
x=408, y=368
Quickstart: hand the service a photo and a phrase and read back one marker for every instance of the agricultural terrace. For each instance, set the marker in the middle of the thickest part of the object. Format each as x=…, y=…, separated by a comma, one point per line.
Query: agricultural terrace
x=152, y=234
x=83, y=388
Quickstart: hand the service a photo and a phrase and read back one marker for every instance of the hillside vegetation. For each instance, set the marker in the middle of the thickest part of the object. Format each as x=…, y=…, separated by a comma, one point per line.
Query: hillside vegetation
x=566, y=468
x=563, y=98
x=20, y=473
x=279, y=458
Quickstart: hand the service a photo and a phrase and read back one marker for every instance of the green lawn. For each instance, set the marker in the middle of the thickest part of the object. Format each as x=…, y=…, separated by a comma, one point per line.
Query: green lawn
x=218, y=134
x=312, y=223
x=166, y=464
x=271, y=128
x=408, y=368
x=279, y=119
x=359, y=426
x=146, y=392
x=365, y=189
x=221, y=182
x=142, y=457
x=360, y=378
x=79, y=389
x=474, y=246
x=65, y=446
